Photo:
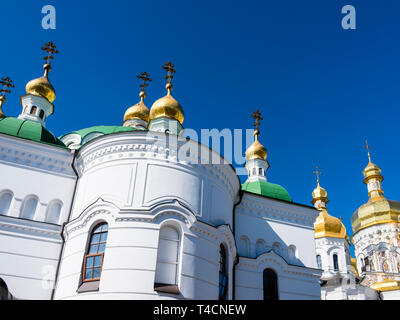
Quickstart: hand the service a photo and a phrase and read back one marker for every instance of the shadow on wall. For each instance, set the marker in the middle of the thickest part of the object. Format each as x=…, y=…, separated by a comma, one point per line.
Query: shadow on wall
x=253, y=248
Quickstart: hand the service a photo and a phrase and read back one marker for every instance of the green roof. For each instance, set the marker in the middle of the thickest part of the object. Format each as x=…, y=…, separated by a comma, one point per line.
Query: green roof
x=103, y=130
x=29, y=130
x=99, y=130
x=267, y=189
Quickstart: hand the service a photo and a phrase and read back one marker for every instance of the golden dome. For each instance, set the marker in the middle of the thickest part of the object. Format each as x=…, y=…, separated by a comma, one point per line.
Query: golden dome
x=42, y=86
x=319, y=193
x=377, y=210
x=386, y=285
x=256, y=152
x=138, y=111
x=328, y=226
x=372, y=171
x=167, y=107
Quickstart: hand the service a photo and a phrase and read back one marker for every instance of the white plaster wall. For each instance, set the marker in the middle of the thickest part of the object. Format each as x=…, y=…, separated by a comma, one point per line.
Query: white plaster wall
x=294, y=283
x=30, y=249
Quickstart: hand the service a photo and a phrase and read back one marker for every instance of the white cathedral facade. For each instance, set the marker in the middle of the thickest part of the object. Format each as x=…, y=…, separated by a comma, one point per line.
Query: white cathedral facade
x=116, y=212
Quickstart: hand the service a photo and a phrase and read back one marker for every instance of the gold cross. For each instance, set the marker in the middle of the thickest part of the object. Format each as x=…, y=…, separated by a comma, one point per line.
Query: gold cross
x=169, y=67
x=50, y=48
x=317, y=173
x=257, y=116
x=145, y=78
x=368, y=147
x=7, y=83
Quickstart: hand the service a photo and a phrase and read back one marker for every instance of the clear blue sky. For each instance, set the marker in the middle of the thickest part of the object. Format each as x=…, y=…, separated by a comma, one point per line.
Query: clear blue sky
x=322, y=90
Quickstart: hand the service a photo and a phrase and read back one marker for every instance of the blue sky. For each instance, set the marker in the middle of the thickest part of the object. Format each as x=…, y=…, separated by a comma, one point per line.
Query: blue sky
x=322, y=90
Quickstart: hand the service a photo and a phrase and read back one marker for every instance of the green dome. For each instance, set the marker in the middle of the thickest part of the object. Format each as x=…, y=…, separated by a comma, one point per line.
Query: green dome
x=103, y=130
x=27, y=129
x=80, y=137
x=267, y=189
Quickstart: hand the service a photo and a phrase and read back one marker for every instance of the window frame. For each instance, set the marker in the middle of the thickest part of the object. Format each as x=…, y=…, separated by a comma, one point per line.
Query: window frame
x=224, y=265
x=89, y=255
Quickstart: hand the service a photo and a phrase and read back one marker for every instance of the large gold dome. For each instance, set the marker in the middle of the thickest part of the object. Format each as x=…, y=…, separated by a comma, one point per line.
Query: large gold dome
x=256, y=152
x=167, y=107
x=377, y=210
x=138, y=111
x=328, y=226
x=42, y=86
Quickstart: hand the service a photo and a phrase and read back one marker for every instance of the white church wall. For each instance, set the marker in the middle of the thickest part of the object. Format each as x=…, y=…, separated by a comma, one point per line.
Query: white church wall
x=30, y=247
x=278, y=225
x=294, y=282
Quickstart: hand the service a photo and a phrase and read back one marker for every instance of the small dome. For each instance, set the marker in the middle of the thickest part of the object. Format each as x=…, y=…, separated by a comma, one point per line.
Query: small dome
x=42, y=87
x=319, y=193
x=138, y=111
x=372, y=171
x=264, y=188
x=256, y=152
x=167, y=107
x=329, y=226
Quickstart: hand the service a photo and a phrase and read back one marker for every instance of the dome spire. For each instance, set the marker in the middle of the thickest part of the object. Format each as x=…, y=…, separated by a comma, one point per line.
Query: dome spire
x=37, y=104
x=137, y=116
x=320, y=196
x=256, y=151
x=6, y=83
x=373, y=177
x=256, y=154
x=166, y=114
x=169, y=67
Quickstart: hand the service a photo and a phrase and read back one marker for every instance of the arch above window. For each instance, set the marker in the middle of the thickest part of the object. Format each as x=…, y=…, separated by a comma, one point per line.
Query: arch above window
x=6, y=198
x=53, y=212
x=29, y=207
x=168, y=257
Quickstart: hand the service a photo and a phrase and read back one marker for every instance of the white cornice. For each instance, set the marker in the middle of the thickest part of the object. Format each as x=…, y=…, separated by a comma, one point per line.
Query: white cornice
x=36, y=156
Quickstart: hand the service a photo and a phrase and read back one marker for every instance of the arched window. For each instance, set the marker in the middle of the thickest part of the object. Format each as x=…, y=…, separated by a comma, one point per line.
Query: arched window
x=5, y=202
x=244, y=246
x=29, y=207
x=270, y=284
x=292, y=253
x=53, y=212
x=319, y=262
x=223, y=274
x=335, y=262
x=94, y=258
x=260, y=247
x=41, y=114
x=167, y=258
x=33, y=110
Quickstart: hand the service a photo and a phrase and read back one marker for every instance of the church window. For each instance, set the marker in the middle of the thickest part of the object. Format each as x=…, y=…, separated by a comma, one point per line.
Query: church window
x=5, y=202
x=94, y=258
x=335, y=262
x=270, y=285
x=41, y=114
x=53, y=212
x=29, y=208
x=167, y=258
x=260, y=171
x=33, y=110
x=319, y=262
x=254, y=171
x=223, y=274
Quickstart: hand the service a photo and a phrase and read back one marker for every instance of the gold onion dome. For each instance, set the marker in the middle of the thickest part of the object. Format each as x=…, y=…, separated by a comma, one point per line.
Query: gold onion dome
x=319, y=193
x=167, y=107
x=378, y=209
x=329, y=226
x=256, y=151
x=138, y=111
x=42, y=86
